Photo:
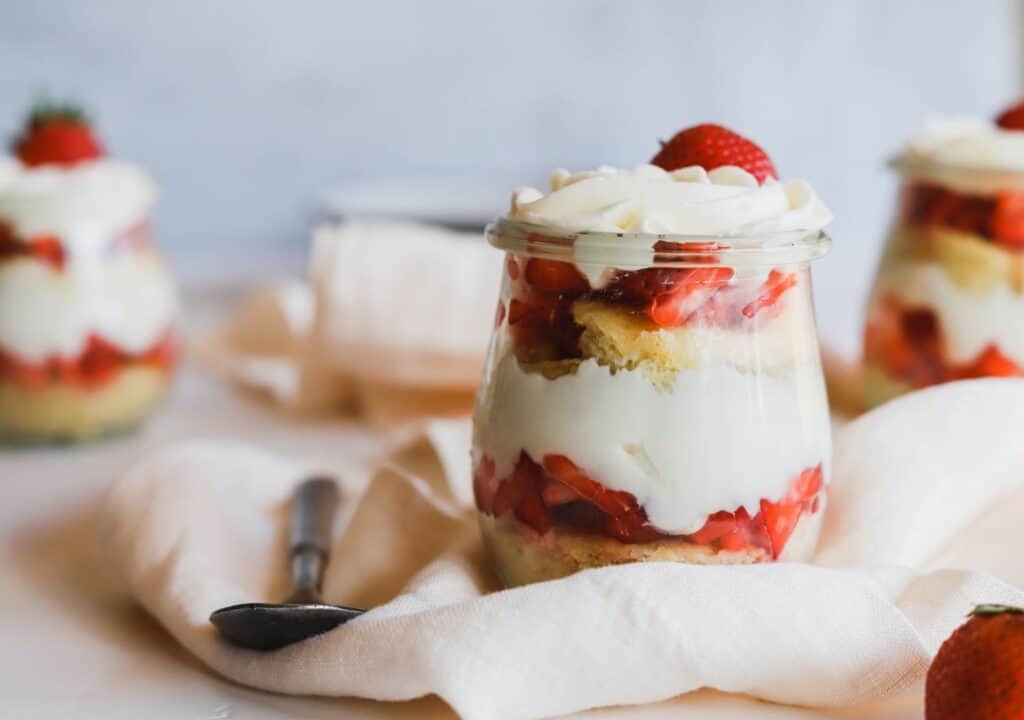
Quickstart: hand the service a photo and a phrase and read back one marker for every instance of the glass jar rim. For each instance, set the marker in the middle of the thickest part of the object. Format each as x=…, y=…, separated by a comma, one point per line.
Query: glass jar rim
x=939, y=170
x=637, y=249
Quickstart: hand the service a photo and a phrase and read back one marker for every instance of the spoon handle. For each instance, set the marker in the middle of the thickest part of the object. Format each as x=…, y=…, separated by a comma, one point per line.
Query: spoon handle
x=316, y=500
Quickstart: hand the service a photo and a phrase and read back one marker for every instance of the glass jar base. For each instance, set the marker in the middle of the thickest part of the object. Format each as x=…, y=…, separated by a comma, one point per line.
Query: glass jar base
x=62, y=413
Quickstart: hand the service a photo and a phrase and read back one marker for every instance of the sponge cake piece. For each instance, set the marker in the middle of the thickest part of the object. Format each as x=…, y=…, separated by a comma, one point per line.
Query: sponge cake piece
x=628, y=341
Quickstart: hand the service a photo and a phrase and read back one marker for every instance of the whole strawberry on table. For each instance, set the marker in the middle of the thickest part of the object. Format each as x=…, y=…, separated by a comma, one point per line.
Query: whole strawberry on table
x=978, y=673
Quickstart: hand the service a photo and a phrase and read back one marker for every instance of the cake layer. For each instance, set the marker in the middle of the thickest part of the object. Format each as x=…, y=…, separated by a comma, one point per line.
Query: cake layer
x=127, y=298
x=972, y=262
x=621, y=339
x=685, y=450
x=69, y=412
x=523, y=556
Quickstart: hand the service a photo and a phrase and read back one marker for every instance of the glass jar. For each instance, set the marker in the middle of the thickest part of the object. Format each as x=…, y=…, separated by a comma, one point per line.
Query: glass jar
x=948, y=298
x=650, y=397
x=88, y=335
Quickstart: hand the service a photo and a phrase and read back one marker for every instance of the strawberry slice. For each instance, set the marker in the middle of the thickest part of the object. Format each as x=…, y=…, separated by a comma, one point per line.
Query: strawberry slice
x=49, y=250
x=555, y=277
x=556, y=493
x=992, y=363
x=521, y=494
x=565, y=471
x=718, y=525
x=693, y=289
x=517, y=310
x=780, y=518
x=534, y=512
x=807, y=485
x=165, y=353
x=1007, y=221
x=632, y=527
x=1012, y=118
x=485, y=485
x=712, y=146
x=771, y=290
x=98, y=365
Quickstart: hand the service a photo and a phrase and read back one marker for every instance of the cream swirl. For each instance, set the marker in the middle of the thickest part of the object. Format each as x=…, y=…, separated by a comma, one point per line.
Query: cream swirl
x=971, y=155
x=689, y=201
x=84, y=205
x=727, y=201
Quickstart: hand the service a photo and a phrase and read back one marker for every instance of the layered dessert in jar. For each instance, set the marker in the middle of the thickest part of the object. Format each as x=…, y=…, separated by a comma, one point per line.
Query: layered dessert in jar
x=654, y=387
x=87, y=306
x=948, y=300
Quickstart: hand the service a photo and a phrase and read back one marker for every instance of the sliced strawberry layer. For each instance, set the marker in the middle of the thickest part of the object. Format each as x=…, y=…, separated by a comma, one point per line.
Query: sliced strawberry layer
x=96, y=365
x=45, y=248
x=907, y=341
x=50, y=250
x=999, y=219
x=540, y=310
x=542, y=293
x=557, y=491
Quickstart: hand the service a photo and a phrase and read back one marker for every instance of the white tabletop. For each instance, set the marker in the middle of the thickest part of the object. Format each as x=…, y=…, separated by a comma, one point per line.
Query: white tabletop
x=76, y=646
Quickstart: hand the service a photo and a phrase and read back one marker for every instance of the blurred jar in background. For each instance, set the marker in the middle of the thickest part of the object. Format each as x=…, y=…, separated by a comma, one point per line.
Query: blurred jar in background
x=88, y=310
x=948, y=300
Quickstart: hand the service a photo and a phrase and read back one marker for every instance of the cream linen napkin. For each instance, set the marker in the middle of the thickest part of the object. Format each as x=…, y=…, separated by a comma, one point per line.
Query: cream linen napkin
x=199, y=526
x=393, y=320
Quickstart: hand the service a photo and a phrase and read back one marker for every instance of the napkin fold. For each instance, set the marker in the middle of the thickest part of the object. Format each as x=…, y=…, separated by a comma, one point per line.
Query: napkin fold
x=202, y=525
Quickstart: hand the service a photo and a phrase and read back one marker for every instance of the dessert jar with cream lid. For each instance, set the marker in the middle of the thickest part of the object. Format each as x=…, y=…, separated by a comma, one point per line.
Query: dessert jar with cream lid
x=653, y=395
x=88, y=310
x=948, y=298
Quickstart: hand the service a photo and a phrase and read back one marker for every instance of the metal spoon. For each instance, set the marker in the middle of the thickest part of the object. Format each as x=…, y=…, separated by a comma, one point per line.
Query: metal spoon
x=268, y=626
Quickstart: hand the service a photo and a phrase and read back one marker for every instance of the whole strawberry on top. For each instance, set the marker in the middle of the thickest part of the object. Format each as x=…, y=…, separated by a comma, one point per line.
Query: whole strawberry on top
x=56, y=133
x=712, y=146
x=978, y=672
x=1012, y=118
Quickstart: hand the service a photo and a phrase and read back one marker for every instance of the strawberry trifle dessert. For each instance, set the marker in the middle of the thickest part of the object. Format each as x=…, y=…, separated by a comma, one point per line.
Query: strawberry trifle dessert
x=654, y=388
x=87, y=307
x=948, y=302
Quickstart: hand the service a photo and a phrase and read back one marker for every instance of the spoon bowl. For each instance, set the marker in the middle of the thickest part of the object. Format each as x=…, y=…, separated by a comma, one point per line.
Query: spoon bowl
x=269, y=626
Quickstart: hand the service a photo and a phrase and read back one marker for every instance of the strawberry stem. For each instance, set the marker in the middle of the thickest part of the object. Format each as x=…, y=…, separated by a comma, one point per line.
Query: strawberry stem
x=46, y=108
x=987, y=609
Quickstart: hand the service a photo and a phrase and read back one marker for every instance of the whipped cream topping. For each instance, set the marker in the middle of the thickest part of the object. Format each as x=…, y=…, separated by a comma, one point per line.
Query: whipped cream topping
x=719, y=439
x=689, y=201
x=968, y=154
x=727, y=201
x=85, y=205
x=127, y=299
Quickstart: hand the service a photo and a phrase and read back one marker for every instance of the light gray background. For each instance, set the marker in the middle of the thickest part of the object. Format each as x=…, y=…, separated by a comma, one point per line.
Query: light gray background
x=248, y=111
